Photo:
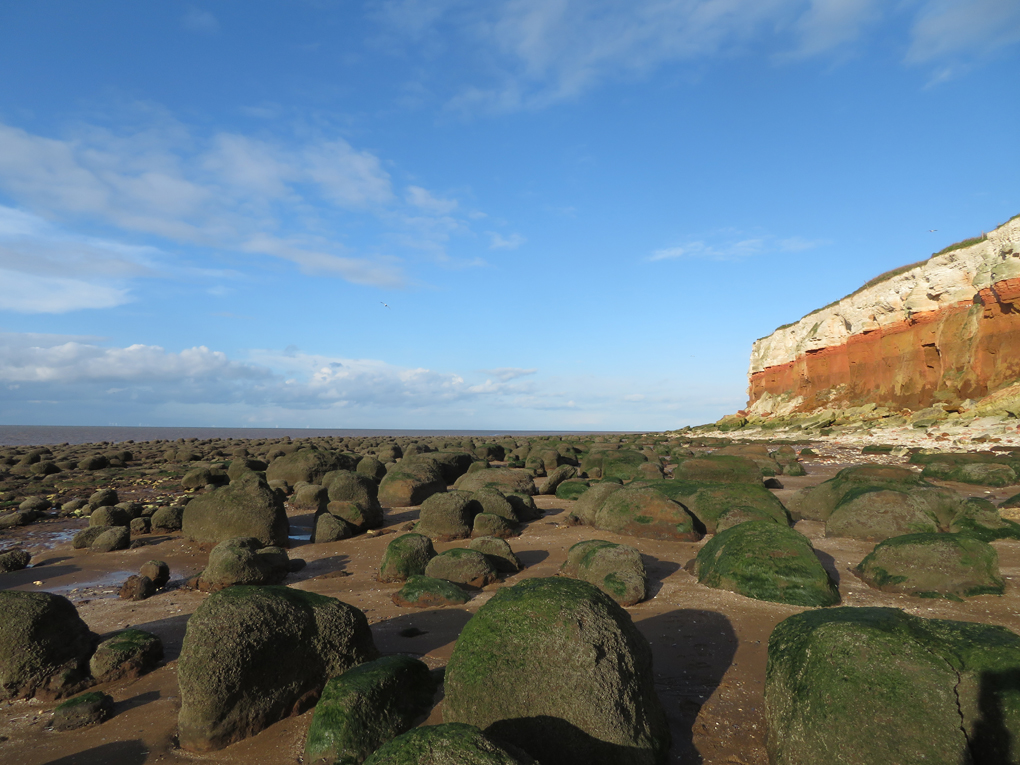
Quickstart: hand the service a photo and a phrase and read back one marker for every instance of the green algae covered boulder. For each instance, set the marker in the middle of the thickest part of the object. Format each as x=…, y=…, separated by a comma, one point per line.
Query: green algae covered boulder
x=615, y=569
x=590, y=502
x=462, y=566
x=571, y=489
x=499, y=553
x=128, y=654
x=244, y=560
x=406, y=556
x=719, y=469
x=979, y=518
x=875, y=685
x=447, y=744
x=44, y=646
x=645, y=512
x=429, y=592
x=557, y=668
x=932, y=566
x=742, y=514
x=308, y=465
x=765, y=561
x=365, y=707
x=817, y=503
x=254, y=655
x=980, y=473
x=447, y=516
x=870, y=512
x=506, y=480
x=708, y=503
x=83, y=711
x=407, y=484
x=246, y=507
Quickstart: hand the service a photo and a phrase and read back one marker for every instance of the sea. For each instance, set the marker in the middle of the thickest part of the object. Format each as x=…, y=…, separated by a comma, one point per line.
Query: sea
x=50, y=435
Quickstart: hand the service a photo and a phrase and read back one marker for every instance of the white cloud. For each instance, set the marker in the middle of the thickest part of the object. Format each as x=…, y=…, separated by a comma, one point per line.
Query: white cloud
x=950, y=28
x=200, y=21
x=734, y=245
x=29, y=293
x=499, y=242
x=505, y=374
x=829, y=24
x=420, y=197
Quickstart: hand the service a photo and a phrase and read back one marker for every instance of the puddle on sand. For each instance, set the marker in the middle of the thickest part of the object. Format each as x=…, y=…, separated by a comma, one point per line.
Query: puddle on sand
x=105, y=585
x=300, y=534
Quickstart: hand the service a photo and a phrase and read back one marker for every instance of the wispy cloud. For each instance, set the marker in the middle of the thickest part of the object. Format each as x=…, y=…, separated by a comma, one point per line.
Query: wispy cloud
x=499, y=242
x=734, y=245
x=202, y=22
x=505, y=374
x=968, y=28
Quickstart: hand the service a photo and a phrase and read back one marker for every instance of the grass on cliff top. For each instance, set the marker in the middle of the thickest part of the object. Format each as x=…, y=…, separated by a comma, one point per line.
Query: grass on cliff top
x=891, y=274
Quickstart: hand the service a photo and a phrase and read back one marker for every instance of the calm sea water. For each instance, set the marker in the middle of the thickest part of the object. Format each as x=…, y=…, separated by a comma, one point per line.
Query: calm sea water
x=39, y=435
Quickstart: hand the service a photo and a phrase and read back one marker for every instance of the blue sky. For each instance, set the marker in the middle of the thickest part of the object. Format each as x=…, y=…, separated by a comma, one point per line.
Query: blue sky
x=521, y=214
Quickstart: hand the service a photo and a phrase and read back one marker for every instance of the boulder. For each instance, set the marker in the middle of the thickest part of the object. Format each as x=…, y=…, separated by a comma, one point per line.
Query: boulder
x=244, y=560
x=721, y=469
x=158, y=571
x=168, y=518
x=499, y=554
x=462, y=566
x=330, y=528
x=644, y=512
x=447, y=516
x=615, y=569
x=83, y=711
x=589, y=503
x=555, y=477
x=621, y=464
x=128, y=654
x=308, y=465
x=408, y=484
x=255, y=655
x=359, y=516
x=765, y=561
x=506, y=480
x=44, y=646
x=447, y=744
x=311, y=497
x=372, y=468
x=571, y=489
x=933, y=565
x=103, y=498
x=980, y=473
x=109, y=515
x=524, y=507
x=493, y=502
x=708, y=503
x=112, y=538
x=875, y=513
x=429, y=592
x=366, y=706
x=875, y=685
x=137, y=587
x=980, y=519
x=14, y=560
x=817, y=503
x=350, y=486
x=406, y=556
x=486, y=525
x=555, y=667
x=247, y=507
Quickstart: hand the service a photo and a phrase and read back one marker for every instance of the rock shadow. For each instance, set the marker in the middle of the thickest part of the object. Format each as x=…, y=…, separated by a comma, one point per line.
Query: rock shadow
x=657, y=571
x=26, y=576
x=991, y=743
x=530, y=558
x=394, y=516
x=829, y=564
x=132, y=752
x=419, y=631
x=322, y=568
x=692, y=649
x=553, y=739
x=139, y=700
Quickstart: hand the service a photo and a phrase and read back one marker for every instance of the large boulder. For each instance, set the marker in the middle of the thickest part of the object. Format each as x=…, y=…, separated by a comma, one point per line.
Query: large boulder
x=406, y=556
x=765, y=561
x=556, y=477
x=816, y=503
x=244, y=560
x=875, y=685
x=447, y=744
x=710, y=503
x=350, y=486
x=127, y=654
x=247, y=507
x=506, y=480
x=877, y=514
x=499, y=553
x=645, y=512
x=721, y=469
x=366, y=706
x=308, y=465
x=589, y=503
x=429, y=592
x=462, y=566
x=981, y=473
x=557, y=668
x=44, y=646
x=615, y=569
x=448, y=516
x=255, y=655
x=621, y=464
x=408, y=484
x=933, y=565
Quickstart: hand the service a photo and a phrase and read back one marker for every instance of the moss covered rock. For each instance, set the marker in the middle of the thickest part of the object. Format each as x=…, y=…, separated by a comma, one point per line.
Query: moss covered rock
x=721, y=469
x=571, y=489
x=113, y=538
x=743, y=514
x=557, y=668
x=765, y=561
x=590, y=502
x=351, y=486
x=83, y=711
x=980, y=473
x=817, y=503
x=979, y=518
x=622, y=464
x=408, y=484
x=44, y=646
x=875, y=513
x=874, y=685
x=615, y=569
x=486, y=525
x=406, y=556
x=244, y=560
x=555, y=477
x=308, y=465
x=499, y=553
x=429, y=592
x=644, y=512
x=371, y=468
x=506, y=480
x=447, y=516
x=933, y=565
x=447, y=744
x=255, y=655
x=365, y=707
x=14, y=560
x=247, y=507
x=128, y=654
x=462, y=566
x=710, y=502
x=494, y=502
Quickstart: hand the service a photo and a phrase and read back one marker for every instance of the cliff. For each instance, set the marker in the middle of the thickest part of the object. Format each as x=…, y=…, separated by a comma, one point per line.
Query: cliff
x=941, y=331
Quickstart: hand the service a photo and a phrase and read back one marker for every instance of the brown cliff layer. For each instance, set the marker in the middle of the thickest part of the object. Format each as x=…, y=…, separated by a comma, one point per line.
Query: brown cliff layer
x=944, y=331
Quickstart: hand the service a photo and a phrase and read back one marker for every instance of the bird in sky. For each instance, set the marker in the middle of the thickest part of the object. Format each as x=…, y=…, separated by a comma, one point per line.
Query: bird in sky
x=932, y=230
x=383, y=304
